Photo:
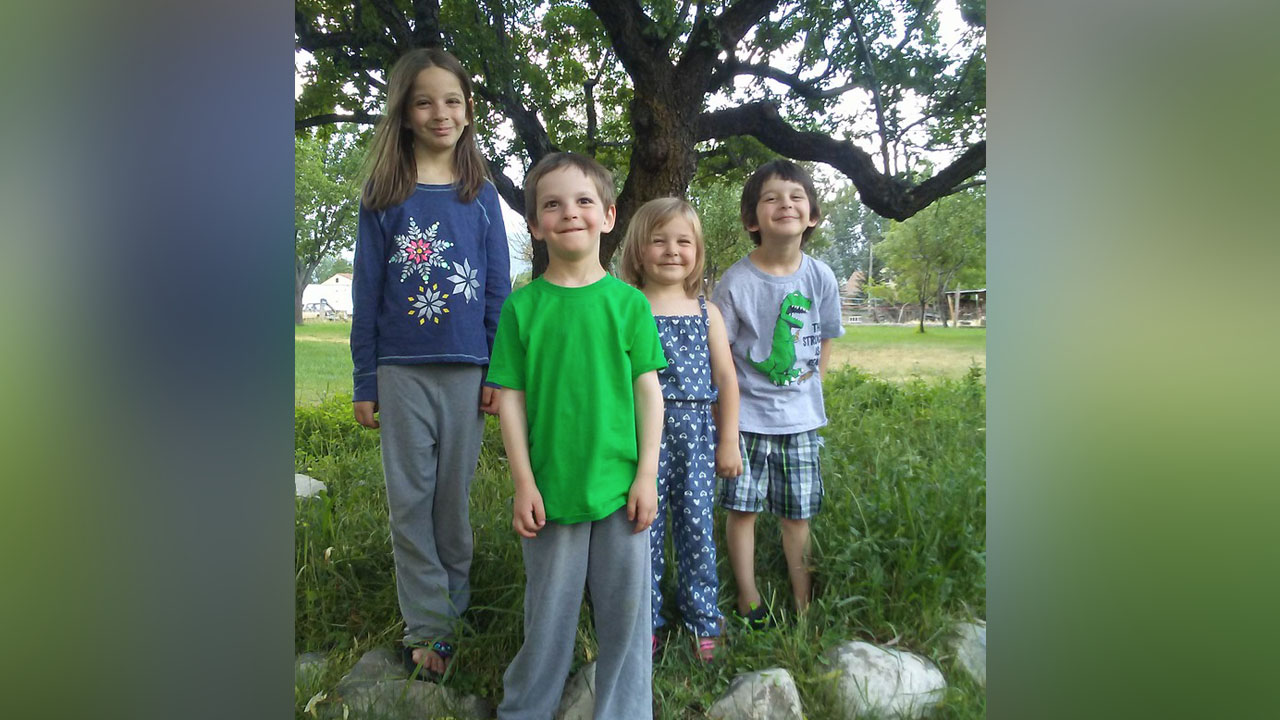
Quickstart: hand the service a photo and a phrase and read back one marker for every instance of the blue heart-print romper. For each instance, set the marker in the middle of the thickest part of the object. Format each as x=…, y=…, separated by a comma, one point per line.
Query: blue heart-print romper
x=686, y=473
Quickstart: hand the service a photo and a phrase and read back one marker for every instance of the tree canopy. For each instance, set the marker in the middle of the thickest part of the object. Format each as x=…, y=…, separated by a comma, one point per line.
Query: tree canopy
x=945, y=244
x=324, y=203
x=658, y=88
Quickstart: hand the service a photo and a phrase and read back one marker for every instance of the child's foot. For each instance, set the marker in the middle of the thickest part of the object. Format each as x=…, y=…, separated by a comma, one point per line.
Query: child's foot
x=707, y=648
x=429, y=663
x=757, y=617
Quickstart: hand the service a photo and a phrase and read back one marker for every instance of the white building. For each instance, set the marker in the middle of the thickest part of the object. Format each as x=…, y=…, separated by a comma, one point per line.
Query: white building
x=336, y=291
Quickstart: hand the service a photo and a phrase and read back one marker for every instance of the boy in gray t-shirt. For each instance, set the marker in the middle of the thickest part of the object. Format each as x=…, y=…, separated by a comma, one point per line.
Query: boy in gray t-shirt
x=781, y=308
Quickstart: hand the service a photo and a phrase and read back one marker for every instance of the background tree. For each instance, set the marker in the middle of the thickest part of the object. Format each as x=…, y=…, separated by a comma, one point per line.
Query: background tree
x=926, y=253
x=654, y=88
x=849, y=230
x=325, y=203
x=329, y=266
x=726, y=242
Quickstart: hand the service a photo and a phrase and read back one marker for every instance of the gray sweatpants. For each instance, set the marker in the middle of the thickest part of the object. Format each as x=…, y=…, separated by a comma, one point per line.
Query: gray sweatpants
x=431, y=429
x=613, y=562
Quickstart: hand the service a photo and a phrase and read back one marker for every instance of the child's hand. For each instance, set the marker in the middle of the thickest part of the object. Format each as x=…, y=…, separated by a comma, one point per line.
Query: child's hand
x=642, y=502
x=489, y=399
x=364, y=410
x=528, y=513
x=728, y=460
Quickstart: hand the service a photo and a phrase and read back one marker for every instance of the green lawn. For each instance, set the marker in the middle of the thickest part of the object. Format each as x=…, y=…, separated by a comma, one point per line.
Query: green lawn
x=322, y=358
x=321, y=361
x=898, y=353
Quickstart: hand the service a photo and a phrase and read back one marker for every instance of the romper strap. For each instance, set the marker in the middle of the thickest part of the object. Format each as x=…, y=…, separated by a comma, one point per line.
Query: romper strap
x=702, y=305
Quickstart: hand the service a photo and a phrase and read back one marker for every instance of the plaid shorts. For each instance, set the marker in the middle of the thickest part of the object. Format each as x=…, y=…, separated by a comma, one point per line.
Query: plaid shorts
x=780, y=474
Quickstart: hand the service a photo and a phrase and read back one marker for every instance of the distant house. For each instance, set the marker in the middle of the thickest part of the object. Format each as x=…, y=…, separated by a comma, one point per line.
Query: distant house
x=336, y=291
x=853, y=286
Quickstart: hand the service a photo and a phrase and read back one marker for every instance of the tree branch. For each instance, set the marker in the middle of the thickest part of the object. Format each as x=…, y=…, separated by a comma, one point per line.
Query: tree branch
x=916, y=22
x=334, y=118
x=803, y=88
x=395, y=22
x=528, y=127
x=507, y=189
x=634, y=37
x=875, y=87
x=884, y=194
x=588, y=90
x=337, y=44
x=712, y=34
x=966, y=186
x=426, y=23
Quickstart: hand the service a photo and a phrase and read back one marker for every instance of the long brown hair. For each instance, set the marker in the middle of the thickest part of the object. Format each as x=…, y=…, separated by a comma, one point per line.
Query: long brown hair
x=390, y=167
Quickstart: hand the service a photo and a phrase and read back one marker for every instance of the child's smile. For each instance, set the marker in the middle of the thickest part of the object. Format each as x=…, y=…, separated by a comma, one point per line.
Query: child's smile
x=783, y=211
x=570, y=215
x=671, y=252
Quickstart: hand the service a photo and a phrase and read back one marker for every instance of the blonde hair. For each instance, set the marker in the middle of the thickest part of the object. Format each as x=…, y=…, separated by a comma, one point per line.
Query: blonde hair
x=390, y=168
x=651, y=216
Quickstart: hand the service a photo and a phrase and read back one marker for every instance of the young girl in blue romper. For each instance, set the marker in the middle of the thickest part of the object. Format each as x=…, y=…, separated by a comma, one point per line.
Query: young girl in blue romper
x=663, y=256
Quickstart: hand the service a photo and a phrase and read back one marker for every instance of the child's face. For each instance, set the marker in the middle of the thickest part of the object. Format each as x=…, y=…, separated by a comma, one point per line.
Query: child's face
x=670, y=253
x=436, y=109
x=570, y=215
x=782, y=212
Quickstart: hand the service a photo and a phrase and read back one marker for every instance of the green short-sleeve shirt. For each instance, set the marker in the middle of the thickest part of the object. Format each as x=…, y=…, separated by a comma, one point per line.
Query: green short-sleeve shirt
x=576, y=353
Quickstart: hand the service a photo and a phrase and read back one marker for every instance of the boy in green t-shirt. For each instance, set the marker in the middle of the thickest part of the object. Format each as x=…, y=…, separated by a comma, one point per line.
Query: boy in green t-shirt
x=578, y=352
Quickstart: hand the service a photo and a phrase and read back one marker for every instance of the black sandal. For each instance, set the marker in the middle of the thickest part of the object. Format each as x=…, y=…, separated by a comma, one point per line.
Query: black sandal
x=758, y=618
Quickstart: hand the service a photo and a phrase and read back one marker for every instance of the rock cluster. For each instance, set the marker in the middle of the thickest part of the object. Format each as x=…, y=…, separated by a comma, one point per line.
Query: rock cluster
x=867, y=679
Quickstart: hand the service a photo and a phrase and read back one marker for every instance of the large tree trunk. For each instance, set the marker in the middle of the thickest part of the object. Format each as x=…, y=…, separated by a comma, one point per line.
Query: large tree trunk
x=663, y=165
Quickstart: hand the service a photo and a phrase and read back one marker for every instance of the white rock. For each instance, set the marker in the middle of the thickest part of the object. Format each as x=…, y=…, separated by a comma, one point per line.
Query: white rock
x=579, y=699
x=308, y=668
x=970, y=646
x=763, y=695
x=376, y=688
x=304, y=486
x=887, y=682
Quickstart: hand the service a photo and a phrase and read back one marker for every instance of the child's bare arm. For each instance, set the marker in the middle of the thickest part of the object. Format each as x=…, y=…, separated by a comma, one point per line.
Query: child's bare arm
x=824, y=358
x=642, y=501
x=728, y=456
x=528, y=513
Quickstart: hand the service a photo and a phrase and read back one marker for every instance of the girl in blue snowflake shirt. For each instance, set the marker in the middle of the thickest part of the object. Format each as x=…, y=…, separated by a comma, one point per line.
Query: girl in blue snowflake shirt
x=430, y=276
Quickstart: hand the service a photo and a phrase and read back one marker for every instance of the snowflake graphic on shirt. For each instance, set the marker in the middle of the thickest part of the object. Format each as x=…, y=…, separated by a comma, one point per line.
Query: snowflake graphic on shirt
x=429, y=304
x=420, y=251
x=464, y=280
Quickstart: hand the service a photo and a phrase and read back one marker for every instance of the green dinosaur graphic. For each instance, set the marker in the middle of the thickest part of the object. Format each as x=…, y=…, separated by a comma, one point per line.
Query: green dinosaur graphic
x=780, y=364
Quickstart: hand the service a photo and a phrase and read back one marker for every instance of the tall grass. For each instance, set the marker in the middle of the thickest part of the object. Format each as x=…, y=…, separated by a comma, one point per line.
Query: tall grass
x=899, y=550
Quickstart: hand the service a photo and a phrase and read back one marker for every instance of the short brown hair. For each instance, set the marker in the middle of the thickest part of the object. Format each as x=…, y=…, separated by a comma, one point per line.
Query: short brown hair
x=782, y=169
x=651, y=216
x=558, y=161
